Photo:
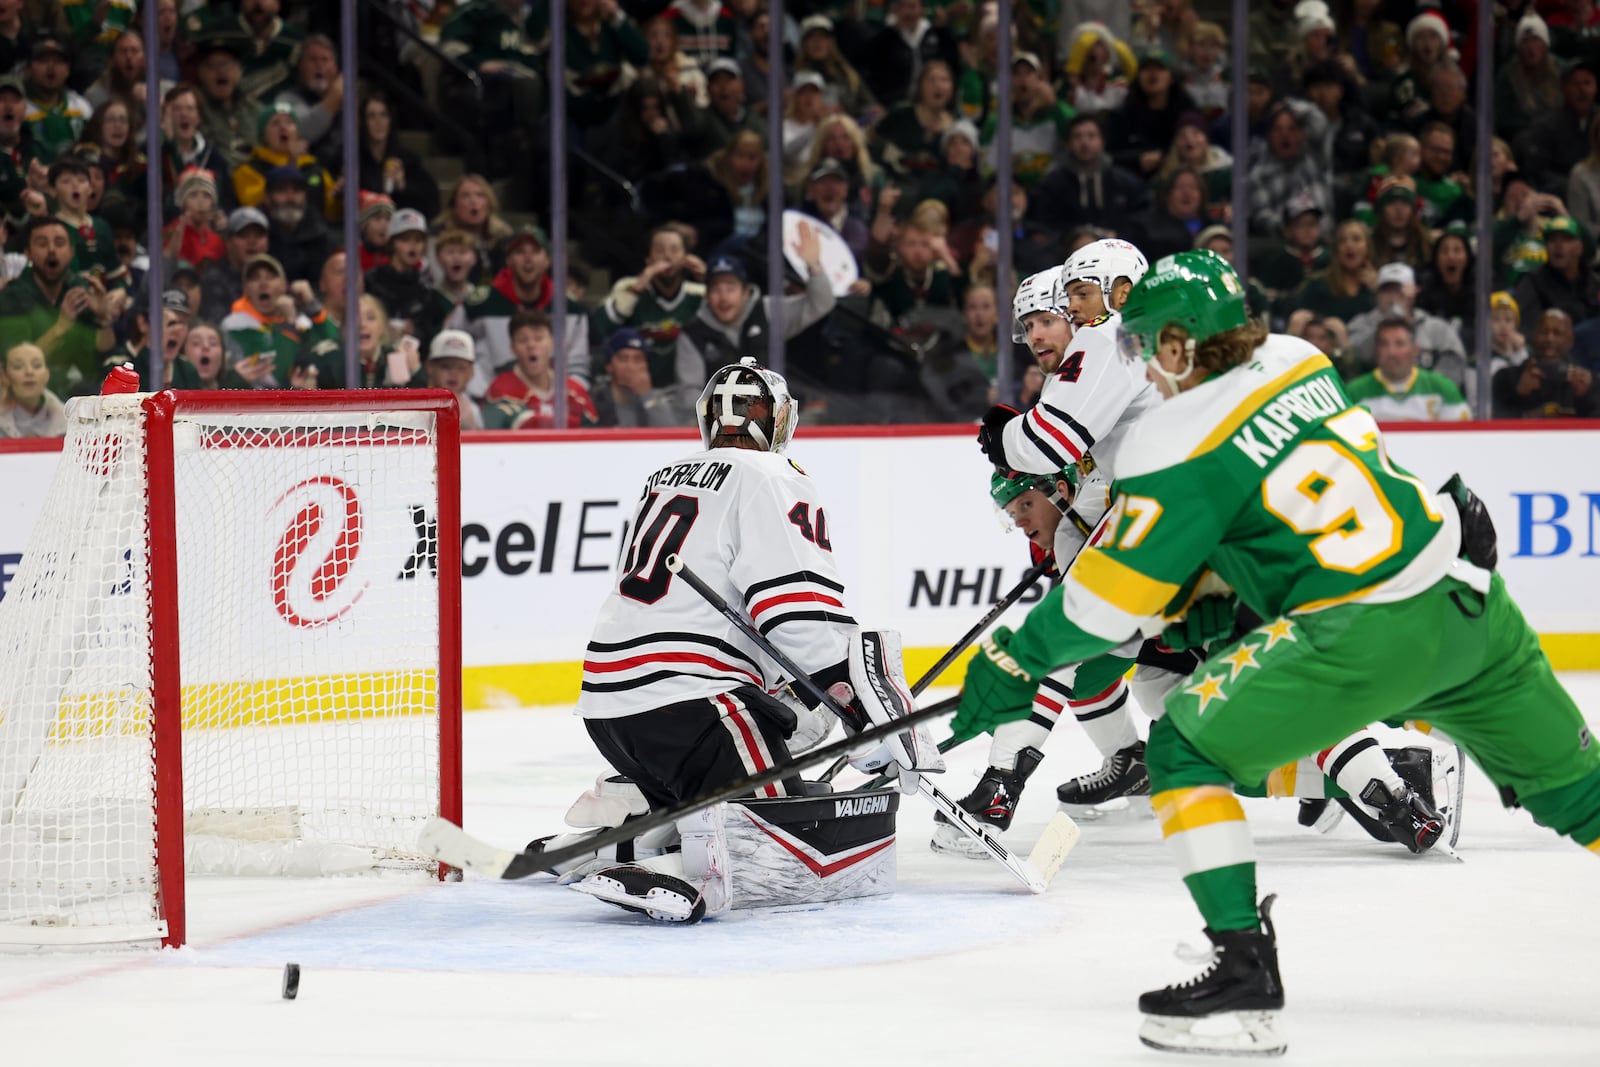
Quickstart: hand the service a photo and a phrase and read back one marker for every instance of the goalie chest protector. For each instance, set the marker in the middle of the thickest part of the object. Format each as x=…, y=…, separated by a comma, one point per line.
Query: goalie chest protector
x=802, y=850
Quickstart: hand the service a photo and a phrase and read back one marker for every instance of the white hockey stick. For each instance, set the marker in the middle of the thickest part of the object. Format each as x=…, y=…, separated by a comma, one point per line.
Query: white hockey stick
x=1022, y=870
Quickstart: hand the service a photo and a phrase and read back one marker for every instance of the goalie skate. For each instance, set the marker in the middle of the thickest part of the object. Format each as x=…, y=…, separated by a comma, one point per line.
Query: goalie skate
x=638, y=889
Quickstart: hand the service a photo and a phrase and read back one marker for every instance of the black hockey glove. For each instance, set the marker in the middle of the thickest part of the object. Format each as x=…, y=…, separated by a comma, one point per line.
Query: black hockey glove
x=991, y=435
x=1479, y=543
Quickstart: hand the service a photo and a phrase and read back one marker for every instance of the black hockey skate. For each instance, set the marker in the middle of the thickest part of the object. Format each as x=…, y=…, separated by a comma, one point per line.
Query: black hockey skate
x=1123, y=774
x=1414, y=818
x=1238, y=997
x=651, y=893
x=994, y=801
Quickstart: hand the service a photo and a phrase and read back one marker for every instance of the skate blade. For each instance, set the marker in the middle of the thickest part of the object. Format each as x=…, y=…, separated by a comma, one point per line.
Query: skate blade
x=1230, y=1033
x=1118, y=810
x=659, y=904
x=951, y=842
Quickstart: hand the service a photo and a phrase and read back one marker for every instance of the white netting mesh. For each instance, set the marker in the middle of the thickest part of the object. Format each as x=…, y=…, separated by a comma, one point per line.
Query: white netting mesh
x=308, y=610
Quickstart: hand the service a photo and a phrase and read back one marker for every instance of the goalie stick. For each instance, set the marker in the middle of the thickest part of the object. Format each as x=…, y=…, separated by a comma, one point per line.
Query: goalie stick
x=1034, y=573
x=1061, y=833
x=450, y=844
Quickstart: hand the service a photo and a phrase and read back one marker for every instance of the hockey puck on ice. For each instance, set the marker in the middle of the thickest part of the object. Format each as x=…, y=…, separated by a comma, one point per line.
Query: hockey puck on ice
x=291, y=980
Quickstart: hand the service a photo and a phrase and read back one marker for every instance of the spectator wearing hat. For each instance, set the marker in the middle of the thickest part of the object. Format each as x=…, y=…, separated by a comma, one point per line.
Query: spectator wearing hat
x=1292, y=166
x=268, y=47
x=728, y=114
x=1398, y=390
x=1508, y=347
x=1139, y=133
x=1088, y=189
x=735, y=318
x=176, y=373
x=56, y=114
x=806, y=107
x=1563, y=281
x=190, y=236
x=1039, y=123
x=1397, y=233
x=1529, y=84
x=66, y=314
x=185, y=146
x=845, y=90
x=278, y=128
x=222, y=282
x=228, y=115
x=451, y=359
x=298, y=234
x=316, y=92
x=1098, y=69
x=525, y=284
x=531, y=379
x=17, y=149
x=625, y=396
x=402, y=283
x=1558, y=139
x=1439, y=347
x=388, y=167
x=265, y=327
x=827, y=191
x=1549, y=385
x=373, y=214
x=1427, y=49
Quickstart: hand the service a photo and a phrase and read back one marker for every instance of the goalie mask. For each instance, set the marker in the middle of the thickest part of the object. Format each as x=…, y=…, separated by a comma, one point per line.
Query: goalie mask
x=745, y=399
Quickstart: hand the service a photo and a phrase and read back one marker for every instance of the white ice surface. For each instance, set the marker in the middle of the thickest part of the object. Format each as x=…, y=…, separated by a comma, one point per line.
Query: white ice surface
x=1387, y=960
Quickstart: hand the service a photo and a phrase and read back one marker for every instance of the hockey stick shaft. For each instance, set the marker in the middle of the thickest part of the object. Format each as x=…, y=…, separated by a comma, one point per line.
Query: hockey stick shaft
x=450, y=844
x=931, y=675
x=1022, y=870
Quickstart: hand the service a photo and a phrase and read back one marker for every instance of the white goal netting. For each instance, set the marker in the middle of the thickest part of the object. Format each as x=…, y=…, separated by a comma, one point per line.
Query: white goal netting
x=307, y=612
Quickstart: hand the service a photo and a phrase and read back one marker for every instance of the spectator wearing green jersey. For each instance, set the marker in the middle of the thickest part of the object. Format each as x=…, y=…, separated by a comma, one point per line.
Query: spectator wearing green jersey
x=56, y=114
x=1399, y=390
x=501, y=43
x=67, y=315
x=268, y=47
x=1039, y=123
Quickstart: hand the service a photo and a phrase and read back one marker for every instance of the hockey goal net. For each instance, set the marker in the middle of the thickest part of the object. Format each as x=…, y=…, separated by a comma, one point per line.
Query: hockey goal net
x=232, y=646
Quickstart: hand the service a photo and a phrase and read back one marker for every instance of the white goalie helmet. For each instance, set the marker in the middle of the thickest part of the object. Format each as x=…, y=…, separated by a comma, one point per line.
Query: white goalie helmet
x=747, y=398
x=1038, y=292
x=1102, y=262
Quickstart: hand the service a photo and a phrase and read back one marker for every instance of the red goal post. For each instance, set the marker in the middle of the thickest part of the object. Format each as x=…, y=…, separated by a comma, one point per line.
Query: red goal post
x=233, y=646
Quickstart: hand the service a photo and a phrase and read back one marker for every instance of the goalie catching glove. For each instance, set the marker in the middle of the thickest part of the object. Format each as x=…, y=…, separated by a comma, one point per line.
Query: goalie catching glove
x=875, y=694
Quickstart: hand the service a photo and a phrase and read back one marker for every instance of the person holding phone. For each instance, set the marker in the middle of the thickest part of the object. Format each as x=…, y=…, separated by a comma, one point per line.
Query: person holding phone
x=1549, y=385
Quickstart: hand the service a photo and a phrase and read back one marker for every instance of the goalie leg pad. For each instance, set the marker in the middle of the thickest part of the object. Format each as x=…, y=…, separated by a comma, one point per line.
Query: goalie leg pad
x=706, y=864
x=803, y=850
x=613, y=798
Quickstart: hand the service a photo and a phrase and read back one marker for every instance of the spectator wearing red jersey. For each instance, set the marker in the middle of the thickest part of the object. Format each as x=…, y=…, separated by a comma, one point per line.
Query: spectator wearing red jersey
x=531, y=380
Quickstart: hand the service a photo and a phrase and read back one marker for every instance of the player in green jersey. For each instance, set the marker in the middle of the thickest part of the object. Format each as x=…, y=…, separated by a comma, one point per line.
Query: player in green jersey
x=1381, y=605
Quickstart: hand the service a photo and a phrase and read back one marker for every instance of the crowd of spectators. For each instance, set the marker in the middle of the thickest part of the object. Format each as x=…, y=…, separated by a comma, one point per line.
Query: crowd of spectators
x=1359, y=158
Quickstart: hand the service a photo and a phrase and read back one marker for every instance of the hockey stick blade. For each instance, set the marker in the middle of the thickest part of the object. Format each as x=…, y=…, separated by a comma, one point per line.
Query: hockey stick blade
x=1022, y=870
x=450, y=844
x=1050, y=851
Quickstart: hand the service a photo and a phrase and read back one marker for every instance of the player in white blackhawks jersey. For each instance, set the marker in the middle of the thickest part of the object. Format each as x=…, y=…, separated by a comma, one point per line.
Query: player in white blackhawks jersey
x=674, y=696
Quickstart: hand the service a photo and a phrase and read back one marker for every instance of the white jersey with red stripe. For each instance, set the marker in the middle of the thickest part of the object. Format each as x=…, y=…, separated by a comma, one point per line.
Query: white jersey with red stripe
x=752, y=526
x=1086, y=402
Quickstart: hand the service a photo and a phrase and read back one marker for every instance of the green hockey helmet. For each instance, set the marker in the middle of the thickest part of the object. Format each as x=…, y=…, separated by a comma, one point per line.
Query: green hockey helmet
x=1199, y=291
x=1003, y=489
